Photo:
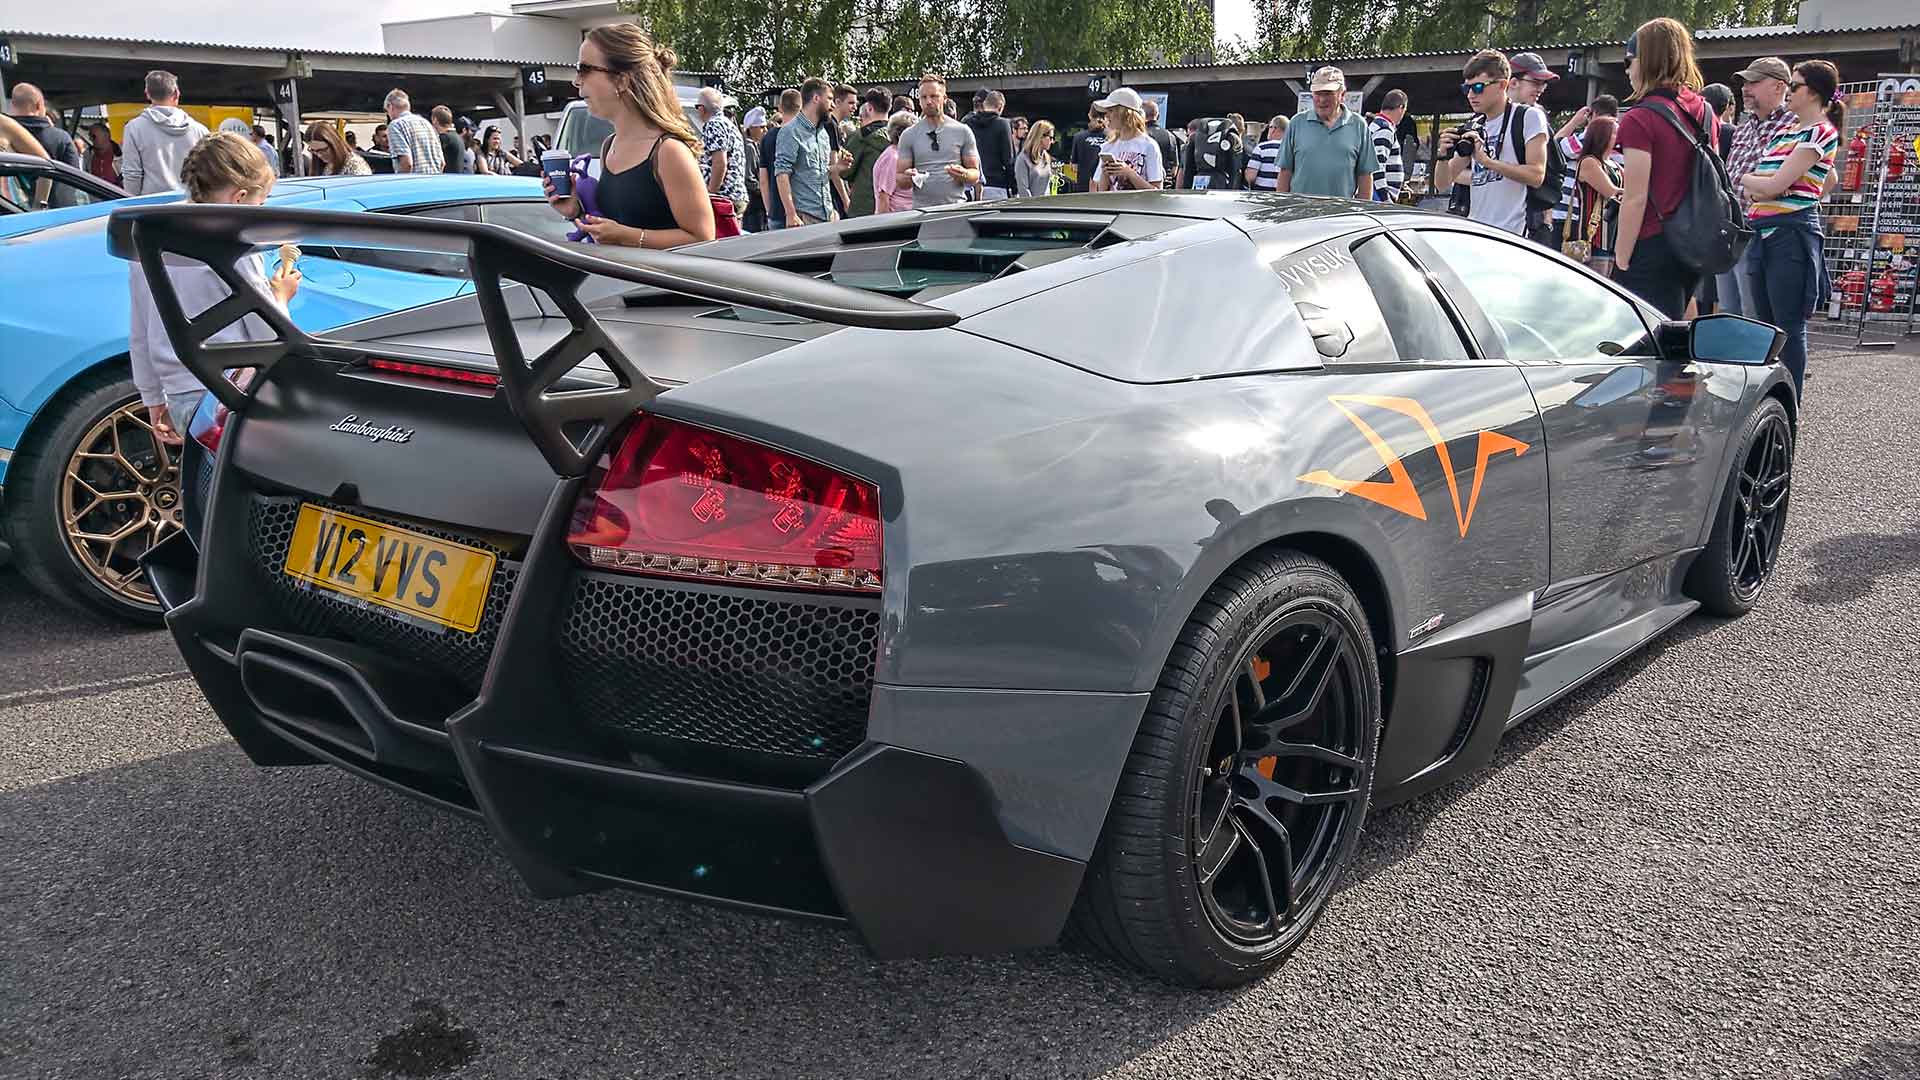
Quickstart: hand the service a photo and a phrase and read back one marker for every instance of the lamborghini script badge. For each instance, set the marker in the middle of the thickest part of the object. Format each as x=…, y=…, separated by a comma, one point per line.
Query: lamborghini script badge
x=1397, y=491
x=351, y=424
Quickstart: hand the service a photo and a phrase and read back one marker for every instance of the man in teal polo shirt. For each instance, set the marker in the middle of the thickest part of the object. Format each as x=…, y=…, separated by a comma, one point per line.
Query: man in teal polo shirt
x=1327, y=149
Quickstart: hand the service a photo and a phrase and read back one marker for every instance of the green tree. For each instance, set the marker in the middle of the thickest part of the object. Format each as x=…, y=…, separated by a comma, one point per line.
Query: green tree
x=1290, y=29
x=762, y=43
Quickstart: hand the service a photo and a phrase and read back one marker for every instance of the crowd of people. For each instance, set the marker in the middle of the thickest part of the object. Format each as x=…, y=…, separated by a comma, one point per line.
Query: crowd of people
x=1603, y=187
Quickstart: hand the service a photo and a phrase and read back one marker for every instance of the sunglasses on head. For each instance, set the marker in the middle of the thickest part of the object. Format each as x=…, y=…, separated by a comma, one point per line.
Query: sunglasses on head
x=1478, y=87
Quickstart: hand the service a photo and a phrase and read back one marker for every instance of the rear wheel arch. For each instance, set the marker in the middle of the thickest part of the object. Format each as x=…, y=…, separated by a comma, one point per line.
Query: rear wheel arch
x=48, y=415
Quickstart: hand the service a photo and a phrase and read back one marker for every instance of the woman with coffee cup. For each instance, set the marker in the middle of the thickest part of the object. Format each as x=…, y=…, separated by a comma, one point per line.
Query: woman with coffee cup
x=649, y=192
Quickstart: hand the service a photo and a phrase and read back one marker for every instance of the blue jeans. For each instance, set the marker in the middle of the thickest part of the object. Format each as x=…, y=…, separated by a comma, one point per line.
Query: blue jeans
x=1789, y=282
x=1743, y=280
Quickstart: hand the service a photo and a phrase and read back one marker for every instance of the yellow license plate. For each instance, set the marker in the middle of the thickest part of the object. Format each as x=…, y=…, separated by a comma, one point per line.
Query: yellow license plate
x=397, y=569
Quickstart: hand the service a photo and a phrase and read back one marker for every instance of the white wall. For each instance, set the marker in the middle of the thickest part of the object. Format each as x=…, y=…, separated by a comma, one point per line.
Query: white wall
x=1840, y=14
x=496, y=37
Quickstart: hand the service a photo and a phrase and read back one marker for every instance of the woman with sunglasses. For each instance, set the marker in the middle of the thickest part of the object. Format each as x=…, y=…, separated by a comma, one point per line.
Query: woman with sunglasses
x=1659, y=161
x=649, y=191
x=1789, y=273
x=331, y=155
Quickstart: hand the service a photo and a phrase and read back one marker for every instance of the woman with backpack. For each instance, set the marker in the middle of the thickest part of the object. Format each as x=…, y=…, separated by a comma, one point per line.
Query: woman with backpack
x=1659, y=162
x=1789, y=272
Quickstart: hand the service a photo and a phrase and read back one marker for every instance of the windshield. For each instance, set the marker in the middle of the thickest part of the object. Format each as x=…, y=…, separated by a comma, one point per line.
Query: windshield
x=581, y=132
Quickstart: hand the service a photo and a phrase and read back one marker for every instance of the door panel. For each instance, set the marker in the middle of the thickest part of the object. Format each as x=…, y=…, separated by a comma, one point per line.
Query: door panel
x=1633, y=440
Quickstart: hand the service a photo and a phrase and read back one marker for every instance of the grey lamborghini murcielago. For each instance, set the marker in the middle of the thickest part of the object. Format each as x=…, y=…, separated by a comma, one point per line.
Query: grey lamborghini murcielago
x=1081, y=566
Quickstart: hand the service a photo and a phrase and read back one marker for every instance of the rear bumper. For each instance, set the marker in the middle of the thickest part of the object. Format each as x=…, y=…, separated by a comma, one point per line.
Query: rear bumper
x=957, y=826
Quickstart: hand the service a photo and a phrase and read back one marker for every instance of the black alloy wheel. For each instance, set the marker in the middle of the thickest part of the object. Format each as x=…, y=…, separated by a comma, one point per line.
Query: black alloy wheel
x=1283, y=774
x=1243, y=797
x=1743, y=550
x=1764, y=481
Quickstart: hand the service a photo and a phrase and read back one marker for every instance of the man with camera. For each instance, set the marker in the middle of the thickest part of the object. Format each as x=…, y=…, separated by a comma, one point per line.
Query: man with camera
x=1485, y=156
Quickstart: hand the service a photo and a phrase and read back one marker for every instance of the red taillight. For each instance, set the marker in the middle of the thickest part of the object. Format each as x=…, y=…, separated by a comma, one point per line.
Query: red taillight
x=682, y=501
x=207, y=432
x=435, y=371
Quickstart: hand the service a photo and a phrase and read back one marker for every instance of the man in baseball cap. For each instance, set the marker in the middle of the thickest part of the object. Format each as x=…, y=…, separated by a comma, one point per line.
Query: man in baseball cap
x=1327, y=149
x=1767, y=67
x=1530, y=78
x=1763, y=89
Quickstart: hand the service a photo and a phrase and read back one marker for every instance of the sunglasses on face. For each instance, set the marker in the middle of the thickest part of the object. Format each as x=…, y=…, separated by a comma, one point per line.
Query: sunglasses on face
x=1478, y=87
x=583, y=70
x=1796, y=85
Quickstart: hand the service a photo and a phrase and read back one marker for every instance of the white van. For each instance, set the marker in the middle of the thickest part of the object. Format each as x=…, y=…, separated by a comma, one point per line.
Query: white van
x=581, y=132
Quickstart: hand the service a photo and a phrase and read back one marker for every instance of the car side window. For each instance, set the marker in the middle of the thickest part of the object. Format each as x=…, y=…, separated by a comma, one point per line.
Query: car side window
x=434, y=263
x=530, y=216
x=1418, y=324
x=1333, y=299
x=1542, y=309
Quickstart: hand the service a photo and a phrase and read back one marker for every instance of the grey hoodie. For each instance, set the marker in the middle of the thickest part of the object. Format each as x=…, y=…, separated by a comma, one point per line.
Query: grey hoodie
x=153, y=146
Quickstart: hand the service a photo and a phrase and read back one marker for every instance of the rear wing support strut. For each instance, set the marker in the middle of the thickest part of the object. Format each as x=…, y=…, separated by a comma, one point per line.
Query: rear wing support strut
x=570, y=427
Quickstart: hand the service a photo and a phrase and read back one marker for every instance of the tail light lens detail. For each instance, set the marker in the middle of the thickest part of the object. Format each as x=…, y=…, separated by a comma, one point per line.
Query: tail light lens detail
x=435, y=371
x=676, y=500
x=209, y=421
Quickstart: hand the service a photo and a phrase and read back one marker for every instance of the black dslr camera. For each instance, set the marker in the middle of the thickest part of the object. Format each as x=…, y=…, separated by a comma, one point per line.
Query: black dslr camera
x=1464, y=138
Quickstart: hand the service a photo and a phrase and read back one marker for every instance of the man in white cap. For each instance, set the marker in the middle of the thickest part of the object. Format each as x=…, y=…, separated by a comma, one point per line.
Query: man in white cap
x=1327, y=150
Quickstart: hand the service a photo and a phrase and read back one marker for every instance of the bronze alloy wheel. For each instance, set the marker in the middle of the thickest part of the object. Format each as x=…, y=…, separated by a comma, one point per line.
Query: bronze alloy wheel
x=119, y=496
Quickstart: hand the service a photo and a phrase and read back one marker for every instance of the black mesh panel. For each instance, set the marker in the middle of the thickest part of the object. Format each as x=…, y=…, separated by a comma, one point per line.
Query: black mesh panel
x=767, y=675
x=459, y=656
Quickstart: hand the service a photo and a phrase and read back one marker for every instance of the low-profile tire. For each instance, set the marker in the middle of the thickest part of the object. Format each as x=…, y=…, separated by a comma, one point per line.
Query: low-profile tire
x=95, y=457
x=1243, y=797
x=1728, y=576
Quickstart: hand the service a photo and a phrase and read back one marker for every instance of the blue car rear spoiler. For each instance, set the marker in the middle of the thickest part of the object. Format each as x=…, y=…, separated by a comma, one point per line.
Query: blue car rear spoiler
x=219, y=235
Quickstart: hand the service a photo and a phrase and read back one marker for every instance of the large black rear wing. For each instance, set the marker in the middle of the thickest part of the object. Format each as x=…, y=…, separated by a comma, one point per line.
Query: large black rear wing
x=568, y=426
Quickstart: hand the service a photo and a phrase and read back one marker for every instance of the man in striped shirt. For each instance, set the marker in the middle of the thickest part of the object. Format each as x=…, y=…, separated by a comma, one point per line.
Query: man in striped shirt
x=1764, y=92
x=1385, y=126
x=1263, y=161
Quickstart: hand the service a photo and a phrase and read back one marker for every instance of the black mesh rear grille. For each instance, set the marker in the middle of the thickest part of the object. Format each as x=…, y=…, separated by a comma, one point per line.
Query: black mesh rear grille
x=459, y=656
x=767, y=675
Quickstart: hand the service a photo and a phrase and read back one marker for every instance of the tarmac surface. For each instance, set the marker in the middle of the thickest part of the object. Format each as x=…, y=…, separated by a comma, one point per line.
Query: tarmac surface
x=1703, y=864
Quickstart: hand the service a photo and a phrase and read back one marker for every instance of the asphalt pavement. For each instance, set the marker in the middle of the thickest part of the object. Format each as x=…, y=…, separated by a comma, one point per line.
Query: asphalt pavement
x=1701, y=865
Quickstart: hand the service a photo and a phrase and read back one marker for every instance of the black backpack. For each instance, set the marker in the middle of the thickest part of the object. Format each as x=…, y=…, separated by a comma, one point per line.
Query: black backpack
x=1217, y=154
x=1546, y=194
x=1708, y=231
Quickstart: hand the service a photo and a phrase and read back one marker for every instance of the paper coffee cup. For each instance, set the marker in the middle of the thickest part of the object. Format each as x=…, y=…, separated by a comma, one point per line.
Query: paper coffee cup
x=554, y=164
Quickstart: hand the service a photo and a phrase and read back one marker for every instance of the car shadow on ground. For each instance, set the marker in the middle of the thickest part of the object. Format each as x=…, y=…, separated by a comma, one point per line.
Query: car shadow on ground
x=48, y=644
x=300, y=901
x=1395, y=833
x=1845, y=568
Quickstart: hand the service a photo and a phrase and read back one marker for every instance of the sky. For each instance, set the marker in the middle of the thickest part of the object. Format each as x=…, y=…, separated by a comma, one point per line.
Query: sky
x=313, y=24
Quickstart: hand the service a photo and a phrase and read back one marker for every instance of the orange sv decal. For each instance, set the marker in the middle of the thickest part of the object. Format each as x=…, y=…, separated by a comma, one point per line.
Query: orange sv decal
x=1397, y=492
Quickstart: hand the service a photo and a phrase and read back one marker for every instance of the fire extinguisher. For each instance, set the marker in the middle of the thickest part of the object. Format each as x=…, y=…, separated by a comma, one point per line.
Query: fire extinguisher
x=1884, y=285
x=1856, y=161
x=1896, y=161
x=1853, y=288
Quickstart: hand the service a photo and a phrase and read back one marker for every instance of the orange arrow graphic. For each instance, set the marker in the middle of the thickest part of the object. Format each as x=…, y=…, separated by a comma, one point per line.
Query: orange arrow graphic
x=1398, y=492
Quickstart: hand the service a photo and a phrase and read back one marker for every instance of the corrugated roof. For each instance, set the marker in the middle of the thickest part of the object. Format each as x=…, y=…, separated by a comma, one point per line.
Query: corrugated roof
x=1728, y=32
x=18, y=35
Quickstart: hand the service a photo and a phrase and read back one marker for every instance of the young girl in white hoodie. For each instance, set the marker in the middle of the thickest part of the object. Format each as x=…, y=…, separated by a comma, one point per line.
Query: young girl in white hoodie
x=222, y=168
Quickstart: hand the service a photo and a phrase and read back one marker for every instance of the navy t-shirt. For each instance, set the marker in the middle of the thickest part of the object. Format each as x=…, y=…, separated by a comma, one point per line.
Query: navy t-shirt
x=776, y=208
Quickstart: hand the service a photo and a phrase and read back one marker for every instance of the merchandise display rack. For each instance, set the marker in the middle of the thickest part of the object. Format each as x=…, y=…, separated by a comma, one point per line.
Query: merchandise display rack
x=1872, y=226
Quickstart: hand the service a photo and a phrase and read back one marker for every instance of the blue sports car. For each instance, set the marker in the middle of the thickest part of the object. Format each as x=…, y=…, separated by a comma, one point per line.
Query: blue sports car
x=85, y=488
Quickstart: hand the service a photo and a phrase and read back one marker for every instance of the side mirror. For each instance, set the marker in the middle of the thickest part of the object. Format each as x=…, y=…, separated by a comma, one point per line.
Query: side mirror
x=1733, y=339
